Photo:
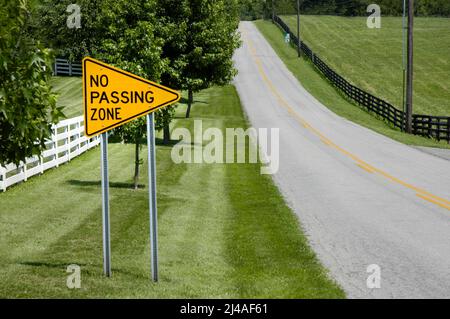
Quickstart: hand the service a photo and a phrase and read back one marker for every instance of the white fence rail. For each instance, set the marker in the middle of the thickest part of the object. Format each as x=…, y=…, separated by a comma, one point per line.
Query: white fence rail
x=67, y=141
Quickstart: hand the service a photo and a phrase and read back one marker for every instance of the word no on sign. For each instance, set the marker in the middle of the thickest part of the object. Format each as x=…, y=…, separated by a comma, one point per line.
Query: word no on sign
x=113, y=97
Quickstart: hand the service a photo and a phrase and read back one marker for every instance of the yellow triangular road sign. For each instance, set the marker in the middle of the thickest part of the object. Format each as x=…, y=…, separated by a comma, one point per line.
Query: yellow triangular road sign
x=113, y=97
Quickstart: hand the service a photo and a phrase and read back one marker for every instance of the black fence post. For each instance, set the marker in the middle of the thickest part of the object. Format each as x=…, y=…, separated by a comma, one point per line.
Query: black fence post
x=448, y=130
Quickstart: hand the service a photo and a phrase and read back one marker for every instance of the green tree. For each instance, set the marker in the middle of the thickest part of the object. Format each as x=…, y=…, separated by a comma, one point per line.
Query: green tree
x=129, y=42
x=201, y=39
x=118, y=32
x=27, y=105
x=163, y=119
x=254, y=9
x=72, y=43
x=358, y=7
x=134, y=133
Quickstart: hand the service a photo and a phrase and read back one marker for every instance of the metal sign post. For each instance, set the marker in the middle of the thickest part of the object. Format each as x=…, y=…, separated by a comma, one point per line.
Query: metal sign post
x=111, y=98
x=105, y=205
x=152, y=196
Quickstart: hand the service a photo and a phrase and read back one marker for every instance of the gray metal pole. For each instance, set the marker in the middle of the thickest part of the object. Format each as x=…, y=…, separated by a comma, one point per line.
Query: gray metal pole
x=409, y=76
x=404, y=27
x=298, y=28
x=152, y=195
x=105, y=205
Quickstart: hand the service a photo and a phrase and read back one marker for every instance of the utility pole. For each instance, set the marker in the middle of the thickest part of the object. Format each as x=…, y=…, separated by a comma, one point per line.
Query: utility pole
x=273, y=11
x=298, y=28
x=409, y=76
x=404, y=28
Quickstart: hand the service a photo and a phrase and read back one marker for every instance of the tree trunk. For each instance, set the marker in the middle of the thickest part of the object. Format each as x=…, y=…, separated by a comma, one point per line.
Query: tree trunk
x=136, y=167
x=190, y=101
x=166, y=131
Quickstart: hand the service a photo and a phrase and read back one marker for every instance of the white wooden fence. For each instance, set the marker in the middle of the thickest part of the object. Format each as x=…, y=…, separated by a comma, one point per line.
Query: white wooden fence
x=67, y=142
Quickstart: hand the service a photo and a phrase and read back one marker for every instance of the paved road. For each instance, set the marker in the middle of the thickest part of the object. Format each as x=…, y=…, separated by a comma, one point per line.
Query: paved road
x=439, y=152
x=362, y=198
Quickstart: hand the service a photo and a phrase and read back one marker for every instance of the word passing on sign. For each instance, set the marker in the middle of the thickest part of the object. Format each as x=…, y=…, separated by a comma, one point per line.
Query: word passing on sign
x=113, y=97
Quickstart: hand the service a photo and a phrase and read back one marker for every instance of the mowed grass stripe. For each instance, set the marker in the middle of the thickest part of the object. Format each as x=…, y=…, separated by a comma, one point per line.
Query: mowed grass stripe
x=69, y=94
x=224, y=230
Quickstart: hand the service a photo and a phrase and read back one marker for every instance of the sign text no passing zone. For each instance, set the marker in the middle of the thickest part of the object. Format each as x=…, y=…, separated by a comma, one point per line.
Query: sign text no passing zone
x=113, y=97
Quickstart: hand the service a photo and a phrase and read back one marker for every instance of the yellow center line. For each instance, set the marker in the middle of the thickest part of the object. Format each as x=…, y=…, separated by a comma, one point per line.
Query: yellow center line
x=366, y=168
x=326, y=142
x=442, y=202
x=433, y=201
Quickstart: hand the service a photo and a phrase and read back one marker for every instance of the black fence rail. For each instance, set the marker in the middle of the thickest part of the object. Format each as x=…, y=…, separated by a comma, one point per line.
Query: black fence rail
x=65, y=68
x=432, y=126
x=437, y=127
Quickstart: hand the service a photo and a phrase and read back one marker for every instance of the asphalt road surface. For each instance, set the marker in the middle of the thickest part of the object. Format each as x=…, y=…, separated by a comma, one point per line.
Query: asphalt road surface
x=361, y=198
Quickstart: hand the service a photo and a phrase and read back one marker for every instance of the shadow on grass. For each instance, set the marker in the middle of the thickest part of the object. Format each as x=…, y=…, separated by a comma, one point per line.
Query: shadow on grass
x=184, y=100
x=75, y=182
x=160, y=142
x=49, y=265
x=60, y=265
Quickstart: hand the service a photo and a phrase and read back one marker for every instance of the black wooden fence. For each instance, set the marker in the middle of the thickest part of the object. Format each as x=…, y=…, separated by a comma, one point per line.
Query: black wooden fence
x=64, y=67
x=437, y=127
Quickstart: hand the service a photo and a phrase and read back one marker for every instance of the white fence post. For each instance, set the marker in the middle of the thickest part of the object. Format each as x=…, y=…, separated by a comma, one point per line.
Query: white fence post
x=41, y=164
x=67, y=130
x=3, y=179
x=55, y=144
x=78, y=137
x=24, y=170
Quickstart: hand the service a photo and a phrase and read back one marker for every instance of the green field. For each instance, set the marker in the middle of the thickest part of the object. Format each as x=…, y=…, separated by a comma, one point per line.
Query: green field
x=69, y=92
x=318, y=86
x=372, y=58
x=224, y=230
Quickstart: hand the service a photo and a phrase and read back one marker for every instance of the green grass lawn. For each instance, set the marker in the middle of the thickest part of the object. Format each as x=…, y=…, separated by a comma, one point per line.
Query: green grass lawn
x=372, y=58
x=224, y=230
x=317, y=85
x=69, y=90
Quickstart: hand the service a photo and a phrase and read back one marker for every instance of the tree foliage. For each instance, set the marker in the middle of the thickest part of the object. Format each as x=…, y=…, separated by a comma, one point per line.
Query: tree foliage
x=27, y=105
x=130, y=43
x=256, y=8
x=72, y=43
x=201, y=39
x=118, y=32
x=185, y=44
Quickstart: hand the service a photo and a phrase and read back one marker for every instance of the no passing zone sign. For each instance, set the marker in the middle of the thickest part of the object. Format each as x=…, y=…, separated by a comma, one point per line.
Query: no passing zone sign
x=113, y=97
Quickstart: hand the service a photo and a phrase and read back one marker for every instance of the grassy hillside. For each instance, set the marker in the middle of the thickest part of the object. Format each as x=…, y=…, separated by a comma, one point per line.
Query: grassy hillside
x=224, y=230
x=319, y=87
x=372, y=58
x=70, y=94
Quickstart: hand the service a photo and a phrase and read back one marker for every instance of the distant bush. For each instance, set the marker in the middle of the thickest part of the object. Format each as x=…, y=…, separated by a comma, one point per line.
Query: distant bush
x=256, y=9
